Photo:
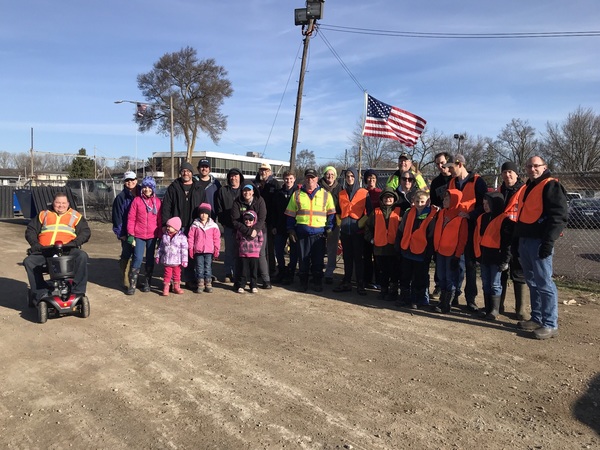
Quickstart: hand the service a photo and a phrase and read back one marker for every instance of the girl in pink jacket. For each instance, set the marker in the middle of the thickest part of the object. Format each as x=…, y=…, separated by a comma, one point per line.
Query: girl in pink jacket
x=143, y=229
x=204, y=244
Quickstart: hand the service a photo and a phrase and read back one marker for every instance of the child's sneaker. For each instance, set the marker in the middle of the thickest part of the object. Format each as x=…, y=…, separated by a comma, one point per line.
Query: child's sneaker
x=254, y=290
x=241, y=291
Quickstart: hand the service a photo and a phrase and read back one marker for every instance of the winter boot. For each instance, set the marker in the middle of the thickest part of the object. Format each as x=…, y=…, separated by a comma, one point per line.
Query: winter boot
x=208, y=285
x=200, y=286
x=133, y=277
x=442, y=306
x=177, y=288
x=520, y=309
x=303, y=283
x=147, y=281
x=404, y=298
x=495, y=307
x=124, y=267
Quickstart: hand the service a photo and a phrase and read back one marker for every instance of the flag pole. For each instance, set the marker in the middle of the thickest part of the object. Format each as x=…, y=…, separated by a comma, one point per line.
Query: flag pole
x=362, y=137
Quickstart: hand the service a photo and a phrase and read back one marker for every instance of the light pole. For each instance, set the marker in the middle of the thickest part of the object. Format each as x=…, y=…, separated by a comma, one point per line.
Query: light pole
x=172, y=127
x=459, y=138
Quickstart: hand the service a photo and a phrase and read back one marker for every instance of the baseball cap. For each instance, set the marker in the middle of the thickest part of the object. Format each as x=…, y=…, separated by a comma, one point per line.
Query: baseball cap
x=129, y=175
x=249, y=187
x=310, y=173
x=404, y=155
x=203, y=162
x=266, y=166
x=457, y=159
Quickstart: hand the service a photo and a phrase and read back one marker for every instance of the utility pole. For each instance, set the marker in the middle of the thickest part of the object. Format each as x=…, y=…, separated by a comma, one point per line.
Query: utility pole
x=31, y=154
x=299, y=96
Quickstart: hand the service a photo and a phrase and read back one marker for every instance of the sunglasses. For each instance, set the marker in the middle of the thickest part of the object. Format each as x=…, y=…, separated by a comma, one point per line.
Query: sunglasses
x=534, y=166
x=130, y=181
x=407, y=179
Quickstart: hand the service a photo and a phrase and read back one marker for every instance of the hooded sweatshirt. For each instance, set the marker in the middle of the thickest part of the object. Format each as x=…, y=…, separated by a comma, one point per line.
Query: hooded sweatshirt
x=225, y=197
x=389, y=249
x=495, y=256
x=349, y=225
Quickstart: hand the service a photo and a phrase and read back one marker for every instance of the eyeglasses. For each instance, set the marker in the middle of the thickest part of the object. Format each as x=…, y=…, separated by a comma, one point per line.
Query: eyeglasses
x=407, y=179
x=534, y=166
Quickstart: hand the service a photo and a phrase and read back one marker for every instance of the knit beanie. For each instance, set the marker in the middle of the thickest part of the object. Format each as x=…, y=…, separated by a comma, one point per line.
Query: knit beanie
x=204, y=208
x=175, y=223
x=328, y=168
x=186, y=166
x=149, y=182
x=509, y=165
x=368, y=173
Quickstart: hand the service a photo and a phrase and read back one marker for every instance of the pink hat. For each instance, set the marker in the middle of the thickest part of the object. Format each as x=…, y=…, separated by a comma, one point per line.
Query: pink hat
x=175, y=223
x=204, y=207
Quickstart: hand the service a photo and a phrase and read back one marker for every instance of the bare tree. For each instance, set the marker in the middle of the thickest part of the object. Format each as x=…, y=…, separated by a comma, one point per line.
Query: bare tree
x=516, y=142
x=6, y=160
x=198, y=89
x=376, y=152
x=574, y=145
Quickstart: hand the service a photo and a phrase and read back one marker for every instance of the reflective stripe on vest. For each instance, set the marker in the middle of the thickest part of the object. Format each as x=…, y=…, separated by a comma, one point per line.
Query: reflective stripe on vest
x=512, y=207
x=386, y=234
x=530, y=211
x=445, y=236
x=58, y=228
x=491, y=235
x=468, y=198
x=305, y=212
x=354, y=208
x=417, y=239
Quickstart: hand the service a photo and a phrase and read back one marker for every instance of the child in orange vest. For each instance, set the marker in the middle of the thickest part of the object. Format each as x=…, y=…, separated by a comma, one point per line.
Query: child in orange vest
x=491, y=245
x=381, y=229
x=414, y=242
x=449, y=239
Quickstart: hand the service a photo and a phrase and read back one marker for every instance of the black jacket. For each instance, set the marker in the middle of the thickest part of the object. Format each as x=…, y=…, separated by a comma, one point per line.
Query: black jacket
x=177, y=204
x=240, y=206
x=281, y=200
x=225, y=197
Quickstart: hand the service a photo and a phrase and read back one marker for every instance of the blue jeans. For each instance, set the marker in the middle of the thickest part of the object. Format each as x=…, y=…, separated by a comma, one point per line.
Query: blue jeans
x=141, y=246
x=538, y=276
x=203, y=266
x=491, y=279
x=311, y=251
x=448, y=275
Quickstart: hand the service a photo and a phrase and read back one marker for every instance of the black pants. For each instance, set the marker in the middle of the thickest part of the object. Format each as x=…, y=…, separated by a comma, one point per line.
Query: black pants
x=388, y=270
x=33, y=265
x=246, y=269
x=353, y=247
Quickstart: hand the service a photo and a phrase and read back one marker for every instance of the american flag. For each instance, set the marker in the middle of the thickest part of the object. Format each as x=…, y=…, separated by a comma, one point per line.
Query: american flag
x=387, y=121
x=141, y=109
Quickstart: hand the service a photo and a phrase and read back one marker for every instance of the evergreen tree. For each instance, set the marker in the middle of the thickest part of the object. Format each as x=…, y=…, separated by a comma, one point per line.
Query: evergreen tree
x=82, y=167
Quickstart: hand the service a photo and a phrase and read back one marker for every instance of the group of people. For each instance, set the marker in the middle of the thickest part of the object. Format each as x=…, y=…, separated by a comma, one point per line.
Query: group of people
x=388, y=236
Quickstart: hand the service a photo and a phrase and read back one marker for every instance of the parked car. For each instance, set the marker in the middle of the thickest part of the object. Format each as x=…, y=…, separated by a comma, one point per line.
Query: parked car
x=161, y=191
x=573, y=196
x=584, y=213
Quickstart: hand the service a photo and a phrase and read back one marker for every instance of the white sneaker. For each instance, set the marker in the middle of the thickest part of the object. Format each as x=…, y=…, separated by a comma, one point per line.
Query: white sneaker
x=254, y=290
x=241, y=291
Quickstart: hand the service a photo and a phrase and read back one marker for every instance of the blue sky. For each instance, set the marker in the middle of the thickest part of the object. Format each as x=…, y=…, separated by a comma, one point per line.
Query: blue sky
x=65, y=63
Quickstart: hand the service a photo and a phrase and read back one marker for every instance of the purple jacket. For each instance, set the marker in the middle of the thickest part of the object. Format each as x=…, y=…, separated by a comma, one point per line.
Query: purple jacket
x=144, y=220
x=249, y=247
x=172, y=251
x=204, y=238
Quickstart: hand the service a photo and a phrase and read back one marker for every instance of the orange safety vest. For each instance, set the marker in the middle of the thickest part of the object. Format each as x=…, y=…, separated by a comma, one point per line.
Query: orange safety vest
x=58, y=228
x=355, y=208
x=512, y=207
x=385, y=235
x=491, y=235
x=468, y=198
x=532, y=210
x=417, y=239
x=445, y=237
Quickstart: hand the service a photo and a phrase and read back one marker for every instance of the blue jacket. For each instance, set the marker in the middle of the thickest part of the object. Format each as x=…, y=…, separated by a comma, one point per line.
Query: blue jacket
x=120, y=211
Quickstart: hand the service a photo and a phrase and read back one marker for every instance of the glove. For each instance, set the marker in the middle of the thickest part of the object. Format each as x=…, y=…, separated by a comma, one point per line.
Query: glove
x=36, y=248
x=545, y=250
x=454, y=263
x=503, y=267
x=216, y=255
x=131, y=240
x=184, y=264
x=293, y=236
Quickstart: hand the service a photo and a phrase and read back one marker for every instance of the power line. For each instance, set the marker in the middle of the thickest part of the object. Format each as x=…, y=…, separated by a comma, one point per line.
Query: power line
x=431, y=35
x=337, y=56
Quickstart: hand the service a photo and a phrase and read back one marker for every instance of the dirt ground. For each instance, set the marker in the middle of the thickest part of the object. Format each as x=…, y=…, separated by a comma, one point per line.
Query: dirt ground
x=282, y=369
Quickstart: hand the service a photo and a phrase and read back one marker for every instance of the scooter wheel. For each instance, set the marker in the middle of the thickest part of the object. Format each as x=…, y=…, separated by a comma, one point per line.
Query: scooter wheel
x=42, y=310
x=85, y=307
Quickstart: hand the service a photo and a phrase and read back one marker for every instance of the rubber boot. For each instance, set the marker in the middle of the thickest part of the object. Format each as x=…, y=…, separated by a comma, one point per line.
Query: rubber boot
x=520, y=309
x=495, y=311
x=177, y=288
x=200, y=287
x=165, y=291
x=208, y=286
x=133, y=277
x=124, y=267
x=147, y=281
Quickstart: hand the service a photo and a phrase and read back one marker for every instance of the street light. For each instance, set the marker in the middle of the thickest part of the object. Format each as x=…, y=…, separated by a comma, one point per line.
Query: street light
x=139, y=104
x=459, y=137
